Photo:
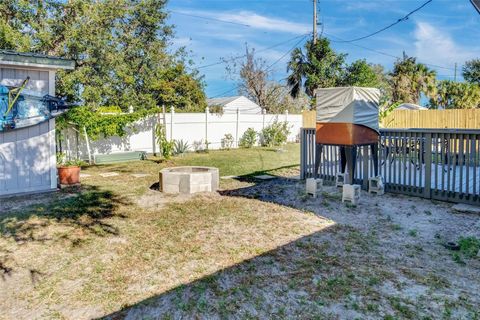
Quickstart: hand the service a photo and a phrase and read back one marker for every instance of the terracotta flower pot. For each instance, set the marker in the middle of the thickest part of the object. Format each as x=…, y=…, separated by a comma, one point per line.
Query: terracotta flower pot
x=69, y=175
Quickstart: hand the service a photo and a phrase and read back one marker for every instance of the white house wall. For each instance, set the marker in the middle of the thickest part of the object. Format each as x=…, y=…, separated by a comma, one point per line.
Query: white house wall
x=27, y=159
x=39, y=80
x=193, y=128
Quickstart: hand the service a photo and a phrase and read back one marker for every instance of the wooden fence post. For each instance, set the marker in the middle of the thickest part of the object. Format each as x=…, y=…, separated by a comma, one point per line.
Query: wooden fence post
x=428, y=165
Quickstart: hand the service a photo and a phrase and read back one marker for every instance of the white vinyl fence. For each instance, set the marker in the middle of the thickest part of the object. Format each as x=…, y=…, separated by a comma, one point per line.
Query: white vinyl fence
x=193, y=128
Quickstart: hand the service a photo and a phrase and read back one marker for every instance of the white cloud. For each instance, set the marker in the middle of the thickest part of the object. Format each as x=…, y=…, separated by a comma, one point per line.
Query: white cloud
x=255, y=21
x=436, y=46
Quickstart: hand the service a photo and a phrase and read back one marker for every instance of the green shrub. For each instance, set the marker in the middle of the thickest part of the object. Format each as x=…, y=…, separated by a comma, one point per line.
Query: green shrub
x=248, y=139
x=166, y=147
x=227, y=141
x=109, y=109
x=275, y=134
x=469, y=246
x=180, y=147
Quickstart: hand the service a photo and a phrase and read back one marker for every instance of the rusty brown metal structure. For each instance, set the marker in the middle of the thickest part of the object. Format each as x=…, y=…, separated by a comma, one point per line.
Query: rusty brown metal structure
x=347, y=117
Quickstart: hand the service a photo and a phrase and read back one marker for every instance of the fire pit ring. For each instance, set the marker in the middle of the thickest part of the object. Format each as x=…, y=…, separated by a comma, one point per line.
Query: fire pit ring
x=188, y=179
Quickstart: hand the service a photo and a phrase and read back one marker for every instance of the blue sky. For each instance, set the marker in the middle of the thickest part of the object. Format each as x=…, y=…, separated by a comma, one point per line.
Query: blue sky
x=443, y=33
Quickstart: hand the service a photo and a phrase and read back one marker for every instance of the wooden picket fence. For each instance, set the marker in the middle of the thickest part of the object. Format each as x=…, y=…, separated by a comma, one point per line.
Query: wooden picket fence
x=433, y=119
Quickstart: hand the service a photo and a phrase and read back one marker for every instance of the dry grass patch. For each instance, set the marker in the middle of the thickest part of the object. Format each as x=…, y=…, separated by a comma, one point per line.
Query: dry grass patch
x=94, y=263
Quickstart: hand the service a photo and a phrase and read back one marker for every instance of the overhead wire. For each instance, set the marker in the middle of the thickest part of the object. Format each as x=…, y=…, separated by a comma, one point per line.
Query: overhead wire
x=380, y=52
x=209, y=18
x=404, y=18
x=269, y=67
x=245, y=55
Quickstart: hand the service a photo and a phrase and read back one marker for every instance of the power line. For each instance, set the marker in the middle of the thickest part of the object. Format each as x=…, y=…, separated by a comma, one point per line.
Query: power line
x=404, y=18
x=380, y=52
x=211, y=19
x=269, y=67
x=286, y=53
x=244, y=55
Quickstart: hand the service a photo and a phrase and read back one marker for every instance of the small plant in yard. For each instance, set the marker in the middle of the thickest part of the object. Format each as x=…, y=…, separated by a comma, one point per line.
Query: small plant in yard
x=227, y=141
x=275, y=134
x=166, y=147
x=200, y=146
x=470, y=247
x=248, y=139
x=413, y=232
x=180, y=147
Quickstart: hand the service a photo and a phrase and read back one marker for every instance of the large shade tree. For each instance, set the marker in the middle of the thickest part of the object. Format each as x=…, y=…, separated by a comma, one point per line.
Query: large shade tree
x=120, y=49
x=361, y=74
x=471, y=71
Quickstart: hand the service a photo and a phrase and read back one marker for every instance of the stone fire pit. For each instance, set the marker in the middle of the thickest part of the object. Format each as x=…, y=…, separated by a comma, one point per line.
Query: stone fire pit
x=188, y=180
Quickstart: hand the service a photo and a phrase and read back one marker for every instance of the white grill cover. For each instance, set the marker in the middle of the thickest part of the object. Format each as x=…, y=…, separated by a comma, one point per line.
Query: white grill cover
x=348, y=104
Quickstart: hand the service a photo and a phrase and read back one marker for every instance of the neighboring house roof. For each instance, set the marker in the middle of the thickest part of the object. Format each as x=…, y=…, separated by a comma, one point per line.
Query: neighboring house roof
x=29, y=59
x=410, y=106
x=232, y=104
x=222, y=101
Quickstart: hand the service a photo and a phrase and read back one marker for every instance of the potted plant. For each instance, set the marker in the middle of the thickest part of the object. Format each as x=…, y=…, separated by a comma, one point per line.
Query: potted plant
x=68, y=170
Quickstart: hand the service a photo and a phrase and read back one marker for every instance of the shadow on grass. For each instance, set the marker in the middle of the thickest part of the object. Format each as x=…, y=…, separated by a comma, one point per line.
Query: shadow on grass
x=87, y=209
x=75, y=215
x=294, y=280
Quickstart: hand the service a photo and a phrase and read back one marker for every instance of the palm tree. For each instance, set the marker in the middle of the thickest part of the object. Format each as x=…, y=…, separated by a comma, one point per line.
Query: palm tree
x=319, y=67
x=410, y=79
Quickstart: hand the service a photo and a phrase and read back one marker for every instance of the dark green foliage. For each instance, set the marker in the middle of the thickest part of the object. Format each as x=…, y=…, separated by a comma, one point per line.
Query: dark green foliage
x=471, y=71
x=361, y=74
x=120, y=50
x=248, y=139
x=318, y=67
x=410, y=79
x=470, y=247
x=456, y=95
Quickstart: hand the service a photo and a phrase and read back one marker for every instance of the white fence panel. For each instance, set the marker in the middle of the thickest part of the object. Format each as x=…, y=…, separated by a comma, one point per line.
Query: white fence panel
x=193, y=128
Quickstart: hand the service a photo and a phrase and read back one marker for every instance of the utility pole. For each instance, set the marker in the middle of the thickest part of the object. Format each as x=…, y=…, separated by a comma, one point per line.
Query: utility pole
x=455, y=74
x=314, y=21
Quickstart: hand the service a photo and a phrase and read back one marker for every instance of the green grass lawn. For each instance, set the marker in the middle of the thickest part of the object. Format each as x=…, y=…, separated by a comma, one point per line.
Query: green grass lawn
x=234, y=162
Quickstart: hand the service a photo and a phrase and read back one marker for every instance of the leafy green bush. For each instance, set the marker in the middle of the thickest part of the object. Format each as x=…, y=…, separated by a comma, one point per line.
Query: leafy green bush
x=109, y=109
x=469, y=246
x=180, y=147
x=227, y=141
x=248, y=139
x=62, y=161
x=275, y=134
x=166, y=147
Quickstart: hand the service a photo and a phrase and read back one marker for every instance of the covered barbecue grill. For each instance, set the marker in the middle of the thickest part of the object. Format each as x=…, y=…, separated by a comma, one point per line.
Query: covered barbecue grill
x=347, y=117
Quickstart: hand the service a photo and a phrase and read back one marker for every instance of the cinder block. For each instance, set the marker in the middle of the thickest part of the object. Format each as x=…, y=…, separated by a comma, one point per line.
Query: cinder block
x=376, y=185
x=205, y=187
x=313, y=186
x=351, y=192
x=170, y=188
x=189, y=179
x=340, y=179
x=204, y=177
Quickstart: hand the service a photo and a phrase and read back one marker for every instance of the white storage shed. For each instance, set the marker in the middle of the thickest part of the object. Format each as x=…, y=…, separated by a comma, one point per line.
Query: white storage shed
x=27, y=155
